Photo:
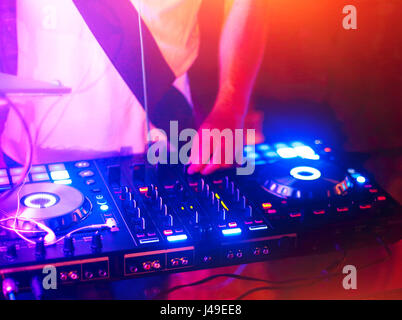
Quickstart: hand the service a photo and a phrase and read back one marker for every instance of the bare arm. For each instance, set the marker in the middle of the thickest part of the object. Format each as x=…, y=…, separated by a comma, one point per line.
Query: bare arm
x=241, y=50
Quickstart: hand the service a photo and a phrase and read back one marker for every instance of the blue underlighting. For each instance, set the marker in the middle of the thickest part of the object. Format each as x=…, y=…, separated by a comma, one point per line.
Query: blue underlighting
x=248, y=148
x=231, y=232
x=177, y=237
x=361, y=179
x=305, y=173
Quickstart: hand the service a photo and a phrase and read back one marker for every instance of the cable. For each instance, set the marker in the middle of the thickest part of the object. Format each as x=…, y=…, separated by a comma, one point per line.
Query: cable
x=28, y=162
x=375, y=262
x=323, y=275
x=247, y=278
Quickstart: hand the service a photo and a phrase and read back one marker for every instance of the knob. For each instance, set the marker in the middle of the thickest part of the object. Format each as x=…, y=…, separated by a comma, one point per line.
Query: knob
x=223, y=214
x=237, y=195
x=96, y=244
x=249, y=211
x=226, y=182
x=11, y=252
x=244, y=202
x=212, y=198
x=169, y=220
x=124, y=191
x=68, y=246
x=40, y=250
x=196, y=217
x=160, y=203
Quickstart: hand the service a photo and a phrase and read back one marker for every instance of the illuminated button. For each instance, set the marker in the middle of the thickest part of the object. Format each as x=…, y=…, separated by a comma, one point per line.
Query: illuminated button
x=82, y=164
x=232, y=224
x=149, y=240
x=90, y=182
x=104, y=207
x=57, y=167
x=4, y=181
x=3, y=173
x=38, y=169
x=86, y=173
x=168, y=232
x=40, y=177
x=60, y=175
x=16, y=171
x=295, y=215
x=65, y=182
x=286, y=152
x=305, y=173
x=361, y=179
x=318, y=212
x=267, y=205
x=231, y=232
x=17, y=178
x=306, y=152
x=259, y=227
x=178, y=237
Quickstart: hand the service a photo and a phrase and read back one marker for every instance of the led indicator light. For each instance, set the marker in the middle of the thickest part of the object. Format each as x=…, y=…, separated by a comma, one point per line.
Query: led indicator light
x=305, y=173
x=231, y=232
x=178, y=237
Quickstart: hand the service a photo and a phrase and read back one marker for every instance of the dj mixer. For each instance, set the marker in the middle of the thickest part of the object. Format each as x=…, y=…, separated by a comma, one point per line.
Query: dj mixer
x=116, y=218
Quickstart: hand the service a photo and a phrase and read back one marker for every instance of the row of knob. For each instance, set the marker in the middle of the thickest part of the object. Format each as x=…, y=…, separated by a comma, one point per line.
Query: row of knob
x=68, y=247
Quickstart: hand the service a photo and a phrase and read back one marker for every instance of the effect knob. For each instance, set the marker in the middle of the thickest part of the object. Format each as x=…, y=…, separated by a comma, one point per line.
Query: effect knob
x=40, y=250
x=96, y=243
x=68, y=246
x=11, y=253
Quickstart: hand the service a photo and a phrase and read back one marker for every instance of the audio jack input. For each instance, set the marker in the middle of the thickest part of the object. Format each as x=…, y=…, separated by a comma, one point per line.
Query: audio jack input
x=102, y=273
x=88, y=275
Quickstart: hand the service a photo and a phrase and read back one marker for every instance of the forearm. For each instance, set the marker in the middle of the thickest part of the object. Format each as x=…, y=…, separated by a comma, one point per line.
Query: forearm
x=241, y=50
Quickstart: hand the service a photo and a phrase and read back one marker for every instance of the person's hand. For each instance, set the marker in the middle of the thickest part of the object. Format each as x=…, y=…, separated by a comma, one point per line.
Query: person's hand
x=206, y=160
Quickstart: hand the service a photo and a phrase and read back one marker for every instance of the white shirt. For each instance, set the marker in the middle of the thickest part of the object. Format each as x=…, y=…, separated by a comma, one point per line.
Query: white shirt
x=102, y=116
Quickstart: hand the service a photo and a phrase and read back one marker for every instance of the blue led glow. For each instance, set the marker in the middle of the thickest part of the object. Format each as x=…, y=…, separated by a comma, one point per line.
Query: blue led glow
x=253, y=155
x=306, y=152
x=263, y=147
x=231, y=232
x=149, y=240
x=305, y=173
x=258, y=227
x=286, y=152
x=361, y=179
x=60, y=175
x=248, y=148
x=177, y=237
x=68, y=181
x=271, y=154
x=104, y=207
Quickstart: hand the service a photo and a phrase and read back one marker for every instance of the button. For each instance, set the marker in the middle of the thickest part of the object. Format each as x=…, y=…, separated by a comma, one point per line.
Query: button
x=38, y=169
x=57, y=167
x=82, y=164
x=4, y=181
x=90, y=182
x=3, y=173
x=17, y=178
x=96, y=190
x=60, y=175
x=40, y=177
x=86, y=173
x=16, y=171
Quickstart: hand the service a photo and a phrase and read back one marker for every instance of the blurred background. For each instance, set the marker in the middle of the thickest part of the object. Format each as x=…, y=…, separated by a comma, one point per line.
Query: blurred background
x=316, y=80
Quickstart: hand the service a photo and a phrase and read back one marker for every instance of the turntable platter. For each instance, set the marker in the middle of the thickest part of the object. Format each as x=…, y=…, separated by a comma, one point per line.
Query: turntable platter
x=57, y=206
x=304, y=179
